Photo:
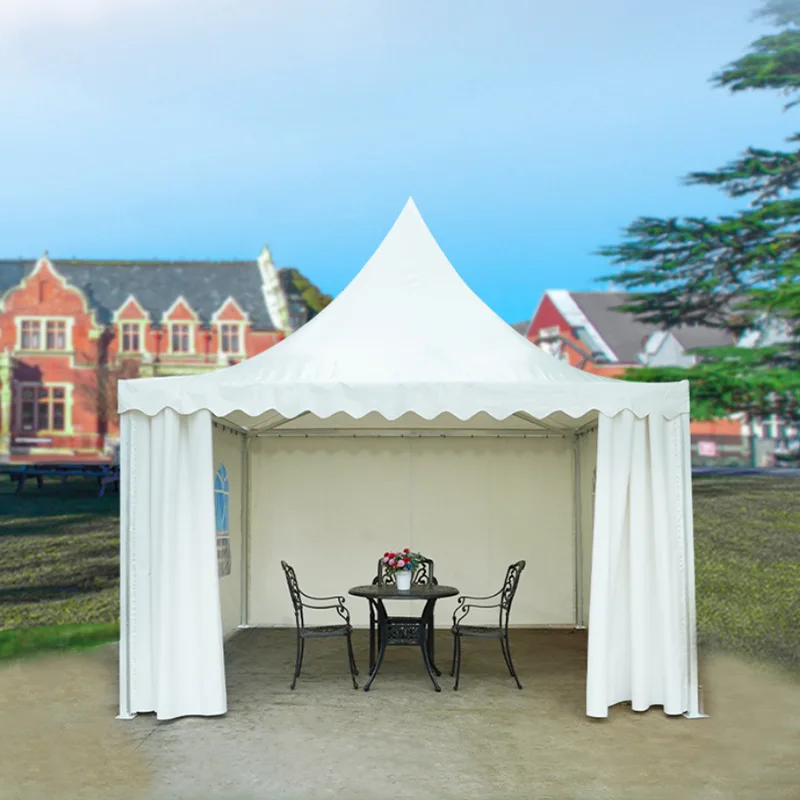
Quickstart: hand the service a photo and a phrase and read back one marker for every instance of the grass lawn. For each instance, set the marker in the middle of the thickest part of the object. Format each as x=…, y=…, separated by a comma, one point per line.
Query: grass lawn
x=59, y=565
x=747, y=563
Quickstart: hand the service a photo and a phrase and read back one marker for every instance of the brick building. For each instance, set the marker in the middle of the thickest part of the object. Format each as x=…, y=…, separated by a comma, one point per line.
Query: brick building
x=70, y=329
x=586, y=330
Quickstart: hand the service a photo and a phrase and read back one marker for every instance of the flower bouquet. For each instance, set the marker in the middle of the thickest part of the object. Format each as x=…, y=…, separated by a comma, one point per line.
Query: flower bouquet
x=402, y=565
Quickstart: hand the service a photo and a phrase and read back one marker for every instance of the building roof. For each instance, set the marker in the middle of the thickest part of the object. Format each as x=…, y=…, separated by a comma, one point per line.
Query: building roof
x=522, y=327
x=625, y=335
x=156, y=285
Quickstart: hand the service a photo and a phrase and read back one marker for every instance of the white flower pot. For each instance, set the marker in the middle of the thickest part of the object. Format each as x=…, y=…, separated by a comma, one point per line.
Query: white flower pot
x=403, y=580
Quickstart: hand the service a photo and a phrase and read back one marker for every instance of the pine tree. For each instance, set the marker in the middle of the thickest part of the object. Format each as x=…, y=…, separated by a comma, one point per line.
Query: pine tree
x=735, y=272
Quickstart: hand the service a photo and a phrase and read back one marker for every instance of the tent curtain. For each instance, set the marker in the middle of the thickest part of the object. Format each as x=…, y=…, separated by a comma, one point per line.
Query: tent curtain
x=170, y=600
x=642, y=645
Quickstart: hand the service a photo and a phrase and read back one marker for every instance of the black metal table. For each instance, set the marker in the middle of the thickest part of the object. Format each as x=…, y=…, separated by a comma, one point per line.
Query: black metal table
x=394, y=631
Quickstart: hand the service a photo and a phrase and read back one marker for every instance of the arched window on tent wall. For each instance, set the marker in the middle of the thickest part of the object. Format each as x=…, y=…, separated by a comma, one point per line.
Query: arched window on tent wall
x=221, y=505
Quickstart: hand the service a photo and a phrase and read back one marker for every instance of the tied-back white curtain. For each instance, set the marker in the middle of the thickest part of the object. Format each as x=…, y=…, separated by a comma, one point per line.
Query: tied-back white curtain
x=642, y=627
x=170, y=593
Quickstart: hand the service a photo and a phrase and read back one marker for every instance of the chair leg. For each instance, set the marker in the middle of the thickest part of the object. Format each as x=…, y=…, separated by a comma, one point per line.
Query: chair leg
x=298, y=662
x=352, y=659
x=507, y=655
x=302, y=653
x=455, y=648
x=371, y=638
x=458, y=662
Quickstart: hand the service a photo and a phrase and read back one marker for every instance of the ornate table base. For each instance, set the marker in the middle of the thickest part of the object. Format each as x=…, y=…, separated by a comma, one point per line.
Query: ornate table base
x=402, y=631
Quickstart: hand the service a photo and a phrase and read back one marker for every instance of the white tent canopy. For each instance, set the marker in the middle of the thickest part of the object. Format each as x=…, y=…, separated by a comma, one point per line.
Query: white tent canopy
x=407, y=350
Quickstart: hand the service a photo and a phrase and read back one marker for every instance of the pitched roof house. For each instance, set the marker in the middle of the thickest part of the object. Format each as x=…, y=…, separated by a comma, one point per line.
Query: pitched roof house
x=589, y=330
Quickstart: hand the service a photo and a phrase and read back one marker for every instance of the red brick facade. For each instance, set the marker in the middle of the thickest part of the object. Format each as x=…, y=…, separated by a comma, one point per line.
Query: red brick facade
x=59, y=363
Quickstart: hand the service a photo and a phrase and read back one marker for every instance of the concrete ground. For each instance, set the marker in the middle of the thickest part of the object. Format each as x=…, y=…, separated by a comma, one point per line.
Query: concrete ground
x=59, y=738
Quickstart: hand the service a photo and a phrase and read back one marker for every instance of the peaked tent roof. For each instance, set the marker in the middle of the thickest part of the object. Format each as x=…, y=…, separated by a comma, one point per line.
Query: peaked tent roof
x=361, y=355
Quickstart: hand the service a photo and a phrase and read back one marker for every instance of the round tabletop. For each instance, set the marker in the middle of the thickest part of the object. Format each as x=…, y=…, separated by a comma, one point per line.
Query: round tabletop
x=388, y=591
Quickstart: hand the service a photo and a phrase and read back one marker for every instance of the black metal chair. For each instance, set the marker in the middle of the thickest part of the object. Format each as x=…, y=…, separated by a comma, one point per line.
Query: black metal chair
x=317, y=631
x=505, y=597
x=423, y=574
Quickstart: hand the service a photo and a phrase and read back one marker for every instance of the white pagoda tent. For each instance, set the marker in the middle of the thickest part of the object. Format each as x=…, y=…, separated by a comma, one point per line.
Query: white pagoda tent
x=407, y=413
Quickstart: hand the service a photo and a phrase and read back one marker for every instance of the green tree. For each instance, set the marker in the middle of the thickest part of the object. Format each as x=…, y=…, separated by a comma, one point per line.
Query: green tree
x=314, y=299
x=733, y=272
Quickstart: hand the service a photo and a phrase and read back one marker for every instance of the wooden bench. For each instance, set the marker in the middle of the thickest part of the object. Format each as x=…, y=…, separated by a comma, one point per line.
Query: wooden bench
x=105, y=473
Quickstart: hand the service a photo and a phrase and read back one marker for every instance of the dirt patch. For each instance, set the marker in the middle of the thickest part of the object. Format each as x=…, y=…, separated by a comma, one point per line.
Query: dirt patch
x=59, y=738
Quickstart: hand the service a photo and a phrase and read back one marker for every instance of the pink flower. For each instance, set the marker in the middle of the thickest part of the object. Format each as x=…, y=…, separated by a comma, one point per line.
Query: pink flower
x=386, y=560
x=401, y=563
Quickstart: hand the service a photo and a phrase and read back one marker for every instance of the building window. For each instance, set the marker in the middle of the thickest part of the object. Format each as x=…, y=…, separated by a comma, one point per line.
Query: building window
x=180, y=338
x=131, y=337
x=31, y=334
x=43, y=334
x=42, y=408
x=230, y=338
x=56, y=335
x=549, y=341
x=221, y=503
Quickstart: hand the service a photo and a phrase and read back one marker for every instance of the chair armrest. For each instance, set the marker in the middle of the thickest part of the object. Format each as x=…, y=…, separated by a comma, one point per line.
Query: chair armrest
x=340, y=607
x=479, y=597
x=463, y=608
x=339, y=599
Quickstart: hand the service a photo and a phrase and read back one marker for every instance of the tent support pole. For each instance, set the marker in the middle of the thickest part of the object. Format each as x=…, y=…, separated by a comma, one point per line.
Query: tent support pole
x=580, y=622
x=245, y=556
x=695, y=699
x=124, y=575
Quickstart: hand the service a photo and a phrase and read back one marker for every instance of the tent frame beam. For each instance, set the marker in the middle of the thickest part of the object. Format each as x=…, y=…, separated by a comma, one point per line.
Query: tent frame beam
x=414, y=433
x=258, y=430
x=231, y=427
x=536, y=422
x=588, y=428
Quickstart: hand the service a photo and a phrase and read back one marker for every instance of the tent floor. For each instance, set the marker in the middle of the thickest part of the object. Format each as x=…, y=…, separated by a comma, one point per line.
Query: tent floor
x=59, y=737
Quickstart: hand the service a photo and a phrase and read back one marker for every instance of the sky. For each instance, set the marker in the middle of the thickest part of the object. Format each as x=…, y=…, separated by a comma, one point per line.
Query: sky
x=528, y=133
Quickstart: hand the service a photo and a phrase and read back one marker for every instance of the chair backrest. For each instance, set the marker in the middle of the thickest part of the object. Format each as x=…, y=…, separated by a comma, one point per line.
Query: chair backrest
x=508, y=591
x=423, y=574
x=294, y=592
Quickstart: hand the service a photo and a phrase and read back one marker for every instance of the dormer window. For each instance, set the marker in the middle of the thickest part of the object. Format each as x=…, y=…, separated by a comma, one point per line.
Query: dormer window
x=181, y=326
x=180, y=338
x=230, y=338
x=231, y=323
x=131, y=337
x=131, y=322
